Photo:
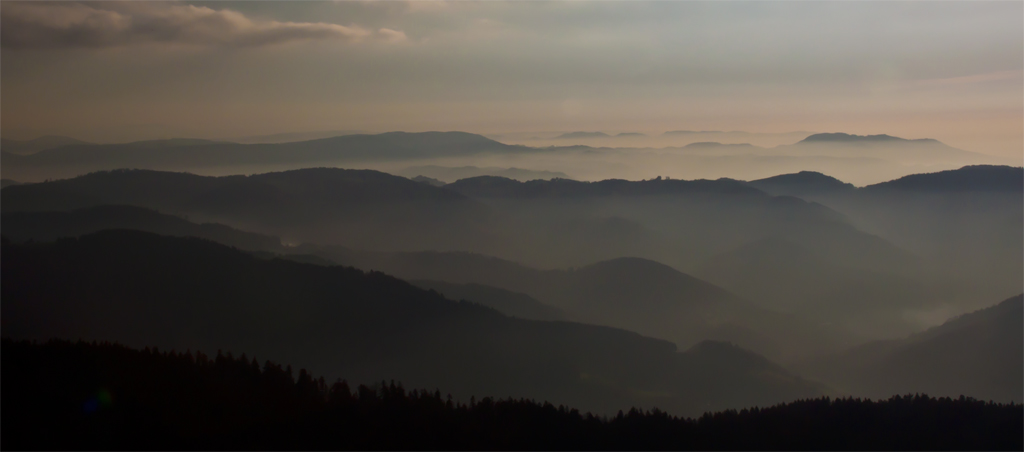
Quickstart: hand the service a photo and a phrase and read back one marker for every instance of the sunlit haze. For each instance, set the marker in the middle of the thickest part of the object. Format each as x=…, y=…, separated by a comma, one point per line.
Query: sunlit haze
x=117, y=72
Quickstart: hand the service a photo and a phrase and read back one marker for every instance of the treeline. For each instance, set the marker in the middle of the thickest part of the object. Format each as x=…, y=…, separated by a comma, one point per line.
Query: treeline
x=65, y=395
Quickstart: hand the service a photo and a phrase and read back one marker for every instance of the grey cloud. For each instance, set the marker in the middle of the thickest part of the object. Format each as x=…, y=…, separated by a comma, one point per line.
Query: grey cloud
x=59, y=25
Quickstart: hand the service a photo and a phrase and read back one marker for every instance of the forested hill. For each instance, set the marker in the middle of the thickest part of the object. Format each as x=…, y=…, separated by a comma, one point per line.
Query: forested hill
x=104, y=396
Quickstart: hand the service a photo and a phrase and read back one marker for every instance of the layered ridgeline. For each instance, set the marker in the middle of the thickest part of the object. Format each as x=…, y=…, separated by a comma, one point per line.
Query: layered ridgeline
x=543, y=224
x=591, y=156
x=370, y=208
x=106, y=396
x=635, y=294
x=859, y=159
x=631, y=293
x=546, y=223
x=978, y=353
x=967, y=224
x=185, y=293
x=25, y=147
x=718, y=230
x=780, y=252
x=187, y=154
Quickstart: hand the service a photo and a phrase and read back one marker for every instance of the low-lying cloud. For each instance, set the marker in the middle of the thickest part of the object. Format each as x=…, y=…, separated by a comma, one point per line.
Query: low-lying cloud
x=61, y=25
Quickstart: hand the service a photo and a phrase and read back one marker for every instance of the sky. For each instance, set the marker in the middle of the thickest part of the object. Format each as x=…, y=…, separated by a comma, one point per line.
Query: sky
x=123, y=71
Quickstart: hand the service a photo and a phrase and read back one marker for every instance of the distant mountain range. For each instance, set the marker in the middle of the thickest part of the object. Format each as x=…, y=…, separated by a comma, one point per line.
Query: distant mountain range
x=582, y=135
x=848, y=138
x=452, y=174
x=37, y=144
x=492, y=187
x=837, y=154
x=290, y=137
x=188, y=154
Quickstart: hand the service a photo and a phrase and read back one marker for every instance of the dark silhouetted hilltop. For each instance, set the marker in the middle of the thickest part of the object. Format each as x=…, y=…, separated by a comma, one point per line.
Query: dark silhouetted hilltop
x=429, y=181
x=984, y=178
x=802, y=183
x=863, y=149
x=848, y=138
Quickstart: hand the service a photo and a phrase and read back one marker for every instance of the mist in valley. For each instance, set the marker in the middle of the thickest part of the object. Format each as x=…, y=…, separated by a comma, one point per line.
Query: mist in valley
x=561, y=225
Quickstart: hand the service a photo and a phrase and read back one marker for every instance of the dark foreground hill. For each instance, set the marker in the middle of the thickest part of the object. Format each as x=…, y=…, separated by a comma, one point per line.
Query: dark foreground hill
x=76, y=396
x=184, y=293
x=980, y=353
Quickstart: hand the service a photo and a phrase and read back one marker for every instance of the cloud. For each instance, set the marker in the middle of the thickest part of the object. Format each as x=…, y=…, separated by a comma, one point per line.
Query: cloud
x=971, y=79
x=391, y=35
x=62, y=25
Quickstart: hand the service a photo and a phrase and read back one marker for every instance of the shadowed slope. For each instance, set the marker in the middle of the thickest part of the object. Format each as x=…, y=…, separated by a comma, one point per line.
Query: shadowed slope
x=139, y=288
x=154, y=399
x=632, y=293
x=980, y=353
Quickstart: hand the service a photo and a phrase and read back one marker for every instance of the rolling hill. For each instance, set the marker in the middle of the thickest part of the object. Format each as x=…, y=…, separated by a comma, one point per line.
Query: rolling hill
x=801, y=184
x=974, y=178
x=967, y=223
x=143, y=289
x=976, y=354
x=322, y=205
x=635, y=294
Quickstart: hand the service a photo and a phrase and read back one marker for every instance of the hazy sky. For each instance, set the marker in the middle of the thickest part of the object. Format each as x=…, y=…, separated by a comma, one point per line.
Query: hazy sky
x=126, y=71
